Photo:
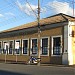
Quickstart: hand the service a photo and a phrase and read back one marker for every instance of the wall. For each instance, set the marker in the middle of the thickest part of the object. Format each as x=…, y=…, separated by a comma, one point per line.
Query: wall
x=73, y=44
x=68, y=54
x=44, y=59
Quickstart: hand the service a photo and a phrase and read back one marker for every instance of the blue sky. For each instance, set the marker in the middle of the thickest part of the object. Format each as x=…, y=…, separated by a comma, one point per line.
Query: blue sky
x=18, y=12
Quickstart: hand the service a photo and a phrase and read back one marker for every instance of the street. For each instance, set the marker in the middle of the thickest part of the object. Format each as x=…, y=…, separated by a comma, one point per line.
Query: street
x=21, y=69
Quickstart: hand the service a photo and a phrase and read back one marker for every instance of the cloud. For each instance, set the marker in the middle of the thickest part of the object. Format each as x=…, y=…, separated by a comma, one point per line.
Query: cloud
x=54, y=6
x=7, y=15
x=60, y=7
x=27, y=9
x=10, y=14
x=1, y=15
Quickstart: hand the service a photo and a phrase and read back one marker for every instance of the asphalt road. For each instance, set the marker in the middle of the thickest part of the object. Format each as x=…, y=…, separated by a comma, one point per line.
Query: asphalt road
x=19, y=69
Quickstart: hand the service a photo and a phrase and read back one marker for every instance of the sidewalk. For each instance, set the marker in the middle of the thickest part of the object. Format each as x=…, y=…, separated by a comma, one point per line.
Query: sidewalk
x=58, y=65
x=24, y=63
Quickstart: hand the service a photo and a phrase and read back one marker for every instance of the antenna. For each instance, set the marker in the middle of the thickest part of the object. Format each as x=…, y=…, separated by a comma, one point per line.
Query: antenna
x=73, y=7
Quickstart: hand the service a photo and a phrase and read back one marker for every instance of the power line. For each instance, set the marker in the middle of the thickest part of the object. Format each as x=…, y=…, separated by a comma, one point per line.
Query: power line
x=31, y=8
x=25, y=13
x=21, y=16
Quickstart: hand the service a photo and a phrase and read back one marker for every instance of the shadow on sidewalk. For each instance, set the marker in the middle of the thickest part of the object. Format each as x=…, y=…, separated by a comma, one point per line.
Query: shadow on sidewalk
x=2, y=72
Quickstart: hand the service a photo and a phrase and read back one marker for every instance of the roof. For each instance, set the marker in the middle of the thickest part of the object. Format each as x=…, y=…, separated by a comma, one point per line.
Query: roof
x=49, y=20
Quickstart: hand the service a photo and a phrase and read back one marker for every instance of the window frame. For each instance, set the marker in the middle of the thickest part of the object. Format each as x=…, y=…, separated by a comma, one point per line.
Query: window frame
x=31, y=46
x=19, y=46
x=3, y=47
x=28, y=47
x=52, y=45
x=13, y=48
x=48, y=46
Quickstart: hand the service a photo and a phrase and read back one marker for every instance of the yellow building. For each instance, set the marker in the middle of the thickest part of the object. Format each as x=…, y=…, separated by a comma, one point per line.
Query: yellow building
x=57, y=41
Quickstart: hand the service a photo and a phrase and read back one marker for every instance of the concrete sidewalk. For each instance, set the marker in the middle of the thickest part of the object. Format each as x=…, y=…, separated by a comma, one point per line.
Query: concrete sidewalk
x=58, y=65
x=24, y=63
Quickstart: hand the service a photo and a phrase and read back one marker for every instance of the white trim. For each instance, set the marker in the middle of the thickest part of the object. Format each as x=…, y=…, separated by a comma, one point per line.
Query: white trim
x=28, y=47
x=52, y=44
x=65, y=53
x=67, y=57
x=65, y=39
x=19, y=45
x=31, y=41
x=48, y=45
x=4, y=45
x=31, y=46
x=13, y=46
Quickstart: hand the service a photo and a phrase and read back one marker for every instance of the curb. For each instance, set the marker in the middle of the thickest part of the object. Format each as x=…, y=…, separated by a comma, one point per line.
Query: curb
x=55, y=65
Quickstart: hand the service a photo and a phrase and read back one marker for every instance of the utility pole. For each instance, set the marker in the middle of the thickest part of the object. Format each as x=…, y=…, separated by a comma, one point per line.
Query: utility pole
x=38, y=19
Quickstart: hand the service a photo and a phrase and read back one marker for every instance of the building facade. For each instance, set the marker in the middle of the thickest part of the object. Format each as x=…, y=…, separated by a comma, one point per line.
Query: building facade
x=57, y=41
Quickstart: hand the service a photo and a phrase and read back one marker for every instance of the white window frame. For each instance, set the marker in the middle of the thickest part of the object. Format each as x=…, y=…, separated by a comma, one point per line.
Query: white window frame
x=52, y=45
x=31, y=46
x=28, y=47
x=1, y=45
x=8, y=46
x=20, y=44
x=13, y=46
x=48, y=46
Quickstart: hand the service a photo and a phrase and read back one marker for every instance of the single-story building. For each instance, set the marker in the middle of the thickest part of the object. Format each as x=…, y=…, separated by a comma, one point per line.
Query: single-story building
x=57, y=41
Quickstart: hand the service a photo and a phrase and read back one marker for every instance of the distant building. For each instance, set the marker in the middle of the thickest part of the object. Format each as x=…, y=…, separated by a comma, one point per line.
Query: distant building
x=57, y=41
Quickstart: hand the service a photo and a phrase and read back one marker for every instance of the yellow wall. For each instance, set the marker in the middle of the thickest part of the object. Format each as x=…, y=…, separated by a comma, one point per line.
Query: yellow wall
x=73, y=44
x=51, y=32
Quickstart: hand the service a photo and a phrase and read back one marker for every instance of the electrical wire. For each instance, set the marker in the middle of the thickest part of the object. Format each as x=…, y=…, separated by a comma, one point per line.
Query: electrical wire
x=31, y=8
x=17, y=16
x=22, y=16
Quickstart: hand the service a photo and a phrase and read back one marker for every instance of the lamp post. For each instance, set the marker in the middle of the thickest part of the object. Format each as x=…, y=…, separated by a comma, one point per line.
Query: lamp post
x=38, y=19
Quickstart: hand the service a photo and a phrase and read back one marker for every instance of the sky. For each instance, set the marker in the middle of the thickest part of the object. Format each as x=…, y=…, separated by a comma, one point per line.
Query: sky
x=18, y=12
